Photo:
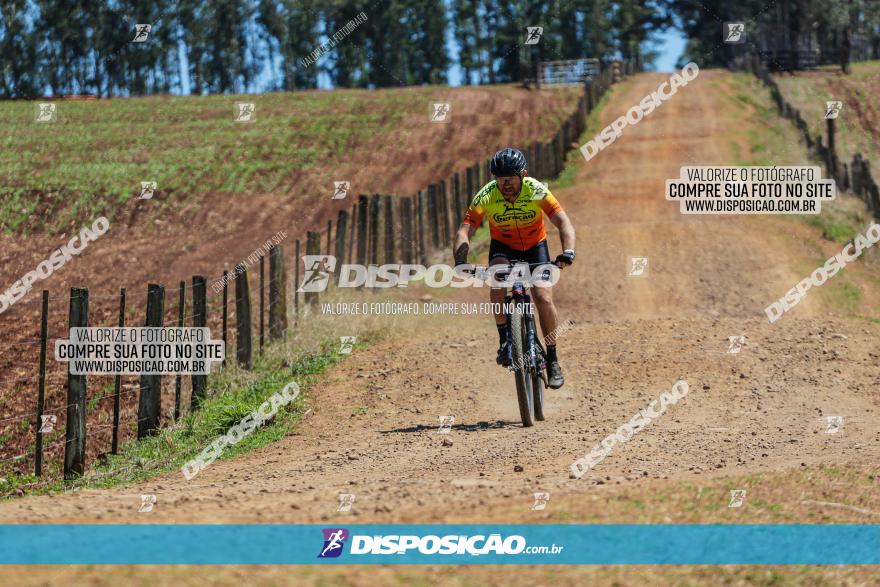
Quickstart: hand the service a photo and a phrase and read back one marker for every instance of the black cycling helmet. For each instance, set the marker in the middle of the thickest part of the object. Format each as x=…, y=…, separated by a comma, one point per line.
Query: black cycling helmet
x=507, y=162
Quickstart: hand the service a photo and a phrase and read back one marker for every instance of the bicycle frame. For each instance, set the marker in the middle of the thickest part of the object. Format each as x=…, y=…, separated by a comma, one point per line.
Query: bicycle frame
x=519, y=294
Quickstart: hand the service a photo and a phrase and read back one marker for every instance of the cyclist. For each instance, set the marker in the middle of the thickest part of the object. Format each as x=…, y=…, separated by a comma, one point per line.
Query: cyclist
x=516, y=205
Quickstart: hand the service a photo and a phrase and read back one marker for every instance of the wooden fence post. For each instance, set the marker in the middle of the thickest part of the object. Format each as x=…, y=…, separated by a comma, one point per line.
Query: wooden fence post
x=243, y=341
x=117, y=387
x=390, y=248
x=341, y=230
x=41, y=389
x=296, y=263
x=225, y=314
x=444, y=213
x=458, y=199
x=200, y=320
x=856, y=167
x=353, y=237
x=433, y=219
x=262, y=299
x=179, y=378
x=832, y=149
x=277, y=294
x=406, y=223
x=75, y=429
x=313, y=247
x=421, y=220
x=363, y=211
x=150, y=401
x=375, y=213
x=329, y=235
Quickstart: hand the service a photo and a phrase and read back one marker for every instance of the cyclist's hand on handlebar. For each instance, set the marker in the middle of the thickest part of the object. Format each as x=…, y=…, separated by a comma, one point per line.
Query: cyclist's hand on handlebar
x=566, y=258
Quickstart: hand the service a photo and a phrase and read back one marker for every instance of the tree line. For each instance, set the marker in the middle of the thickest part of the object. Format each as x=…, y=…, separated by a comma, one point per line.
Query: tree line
x=786, y=34
x=229, y=46
x=225, y=46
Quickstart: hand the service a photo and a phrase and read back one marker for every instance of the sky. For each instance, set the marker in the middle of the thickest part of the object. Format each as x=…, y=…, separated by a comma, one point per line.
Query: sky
x=670, y=44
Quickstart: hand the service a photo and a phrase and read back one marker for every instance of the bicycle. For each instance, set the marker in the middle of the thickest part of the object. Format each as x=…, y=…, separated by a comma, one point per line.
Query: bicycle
x=526, y=355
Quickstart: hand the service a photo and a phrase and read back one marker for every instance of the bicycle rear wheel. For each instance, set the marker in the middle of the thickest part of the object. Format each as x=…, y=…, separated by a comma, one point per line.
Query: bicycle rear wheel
x=518, y=337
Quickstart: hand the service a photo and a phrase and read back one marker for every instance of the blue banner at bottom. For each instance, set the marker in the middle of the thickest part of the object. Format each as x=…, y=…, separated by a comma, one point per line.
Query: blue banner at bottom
x=488, y=544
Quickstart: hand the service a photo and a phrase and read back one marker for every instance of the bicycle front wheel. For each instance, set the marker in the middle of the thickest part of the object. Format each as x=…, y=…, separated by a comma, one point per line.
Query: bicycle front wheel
x=521, y=372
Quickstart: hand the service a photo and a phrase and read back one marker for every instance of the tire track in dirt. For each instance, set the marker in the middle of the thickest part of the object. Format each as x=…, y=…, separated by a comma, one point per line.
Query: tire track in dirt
x=709, y=278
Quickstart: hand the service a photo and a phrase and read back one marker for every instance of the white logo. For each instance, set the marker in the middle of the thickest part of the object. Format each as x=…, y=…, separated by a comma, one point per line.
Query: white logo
x=317, y=272
x=147, y=189
x=346, y=343
x=340, y=189
x=533, y=34
x=245, y=111
x=46, y=112
x=734, y=32
x=541, y=500
x=737, y=497
x=47, y=423
x=833, y=424
x=446, y=423
x=540, y=190
x=736, y=344
x=638, y=266
x=440, y=112
x=346, y=500
x=141, y=32
x=832, y=109
x=147, y=502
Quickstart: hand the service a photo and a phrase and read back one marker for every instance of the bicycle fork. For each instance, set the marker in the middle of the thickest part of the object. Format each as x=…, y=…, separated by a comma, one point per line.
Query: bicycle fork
x=535, y=350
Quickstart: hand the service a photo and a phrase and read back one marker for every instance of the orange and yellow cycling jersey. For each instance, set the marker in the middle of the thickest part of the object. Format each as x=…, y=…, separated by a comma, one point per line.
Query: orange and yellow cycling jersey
x=519, y=225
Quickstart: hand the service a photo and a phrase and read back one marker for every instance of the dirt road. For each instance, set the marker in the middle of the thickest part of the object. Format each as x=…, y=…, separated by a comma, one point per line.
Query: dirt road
x=373, y=429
